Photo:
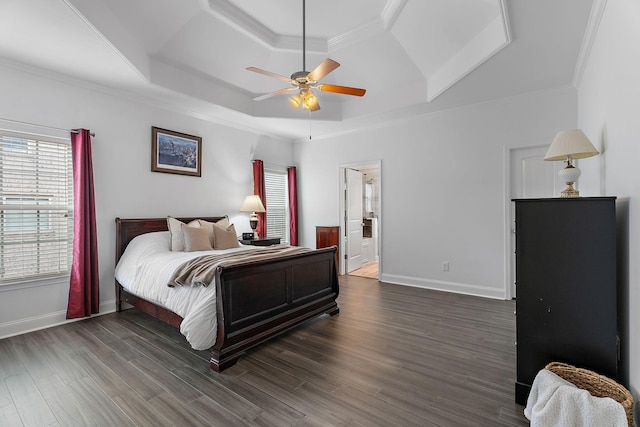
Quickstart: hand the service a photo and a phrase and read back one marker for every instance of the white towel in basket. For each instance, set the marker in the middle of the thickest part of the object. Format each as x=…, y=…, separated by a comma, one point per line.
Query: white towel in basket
x=554, y=401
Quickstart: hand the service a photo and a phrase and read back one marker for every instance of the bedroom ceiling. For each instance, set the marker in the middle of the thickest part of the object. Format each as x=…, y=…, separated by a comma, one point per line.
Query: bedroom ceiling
x=412, y=56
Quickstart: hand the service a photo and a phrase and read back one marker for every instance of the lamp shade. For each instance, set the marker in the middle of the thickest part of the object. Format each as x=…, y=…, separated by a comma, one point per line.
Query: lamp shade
x=572, y=144
x=252, y=204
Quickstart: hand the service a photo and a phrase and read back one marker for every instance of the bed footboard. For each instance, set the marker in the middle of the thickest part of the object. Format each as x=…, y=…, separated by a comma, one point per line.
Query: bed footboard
x=266, y=298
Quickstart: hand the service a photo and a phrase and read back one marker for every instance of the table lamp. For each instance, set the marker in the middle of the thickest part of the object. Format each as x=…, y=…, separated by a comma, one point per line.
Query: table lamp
x=253, y=204
x=569, y=145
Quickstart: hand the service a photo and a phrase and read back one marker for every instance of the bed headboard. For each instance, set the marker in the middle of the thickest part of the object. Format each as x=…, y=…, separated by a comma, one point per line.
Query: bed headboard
x=127, y=228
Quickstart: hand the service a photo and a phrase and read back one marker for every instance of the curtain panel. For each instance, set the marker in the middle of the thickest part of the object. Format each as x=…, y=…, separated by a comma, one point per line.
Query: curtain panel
x=293, y=205
x=260, y=190
x=84, y=286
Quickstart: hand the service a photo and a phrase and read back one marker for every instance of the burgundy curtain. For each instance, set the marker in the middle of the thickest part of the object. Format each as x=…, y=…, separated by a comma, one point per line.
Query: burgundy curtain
x=259, y=189
x=84, y=287
x=293, y=205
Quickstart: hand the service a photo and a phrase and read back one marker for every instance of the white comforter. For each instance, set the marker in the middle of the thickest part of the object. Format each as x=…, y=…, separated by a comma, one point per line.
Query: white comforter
x=145, y=269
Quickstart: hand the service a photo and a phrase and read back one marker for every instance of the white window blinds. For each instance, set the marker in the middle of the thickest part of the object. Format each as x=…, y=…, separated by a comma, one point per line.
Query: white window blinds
x=277, y=205
x=36, y=208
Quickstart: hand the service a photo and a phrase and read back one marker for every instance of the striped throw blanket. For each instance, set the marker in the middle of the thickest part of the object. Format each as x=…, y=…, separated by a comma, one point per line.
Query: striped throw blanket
x=201, y=271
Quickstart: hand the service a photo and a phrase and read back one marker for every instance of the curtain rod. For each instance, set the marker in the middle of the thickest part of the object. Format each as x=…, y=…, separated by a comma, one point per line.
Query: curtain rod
x=42, y=126
x=76, y=132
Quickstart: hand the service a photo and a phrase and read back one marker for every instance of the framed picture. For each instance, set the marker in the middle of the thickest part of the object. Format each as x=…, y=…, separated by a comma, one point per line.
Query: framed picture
x=175, y=152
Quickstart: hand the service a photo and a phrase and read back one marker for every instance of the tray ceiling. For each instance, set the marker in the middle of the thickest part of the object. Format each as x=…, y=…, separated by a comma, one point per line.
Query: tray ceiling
x=412, y=56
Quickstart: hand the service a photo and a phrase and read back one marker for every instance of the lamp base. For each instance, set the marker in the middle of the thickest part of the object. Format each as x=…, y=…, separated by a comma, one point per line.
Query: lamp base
x=569, y=175
x=253, y=223
x=570, y=192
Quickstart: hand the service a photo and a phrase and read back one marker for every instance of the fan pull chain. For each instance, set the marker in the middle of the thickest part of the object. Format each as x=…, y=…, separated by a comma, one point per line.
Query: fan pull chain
x=309, y=125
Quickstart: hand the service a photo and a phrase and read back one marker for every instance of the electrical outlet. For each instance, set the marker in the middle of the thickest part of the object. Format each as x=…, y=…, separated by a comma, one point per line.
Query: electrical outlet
x=445, y=265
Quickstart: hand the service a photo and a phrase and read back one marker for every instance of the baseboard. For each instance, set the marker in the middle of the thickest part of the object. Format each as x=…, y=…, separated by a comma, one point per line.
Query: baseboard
x=438, y=285
x=35, y=323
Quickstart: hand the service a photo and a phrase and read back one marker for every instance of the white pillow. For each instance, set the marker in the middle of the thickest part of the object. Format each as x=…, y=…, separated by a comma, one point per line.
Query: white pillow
x=177, y=239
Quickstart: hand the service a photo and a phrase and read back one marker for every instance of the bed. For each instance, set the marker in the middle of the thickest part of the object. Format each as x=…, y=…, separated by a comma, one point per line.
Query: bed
x=253, y=300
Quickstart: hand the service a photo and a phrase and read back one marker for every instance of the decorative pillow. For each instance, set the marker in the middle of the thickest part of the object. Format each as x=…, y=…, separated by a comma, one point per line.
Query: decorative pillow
x=195, y=238
x=177, y=239
x=224, y=223
x=225, y=238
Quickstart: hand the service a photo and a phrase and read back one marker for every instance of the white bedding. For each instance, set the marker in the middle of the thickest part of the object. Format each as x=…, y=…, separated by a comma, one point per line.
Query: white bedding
x=146, y=267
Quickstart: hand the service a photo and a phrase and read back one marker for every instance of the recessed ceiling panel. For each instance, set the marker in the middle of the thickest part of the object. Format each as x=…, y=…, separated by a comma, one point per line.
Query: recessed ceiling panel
x=153, y=22
x=451, y=37
x=51, y=35
x=325, y=18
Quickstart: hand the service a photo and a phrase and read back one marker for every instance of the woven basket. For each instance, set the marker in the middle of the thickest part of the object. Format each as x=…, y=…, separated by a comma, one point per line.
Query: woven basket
x=596, y=384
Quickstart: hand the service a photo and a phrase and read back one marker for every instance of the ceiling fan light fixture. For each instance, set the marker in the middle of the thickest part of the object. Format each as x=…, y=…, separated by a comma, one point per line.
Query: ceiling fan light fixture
x=305, y=80
x=296, y=100
x=310, y=100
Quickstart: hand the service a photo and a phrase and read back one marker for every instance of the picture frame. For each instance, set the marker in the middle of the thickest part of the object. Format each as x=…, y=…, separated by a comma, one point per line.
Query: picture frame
x=175, y=152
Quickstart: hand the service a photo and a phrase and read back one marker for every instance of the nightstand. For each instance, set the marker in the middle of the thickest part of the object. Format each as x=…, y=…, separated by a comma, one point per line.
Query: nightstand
x=262, y=242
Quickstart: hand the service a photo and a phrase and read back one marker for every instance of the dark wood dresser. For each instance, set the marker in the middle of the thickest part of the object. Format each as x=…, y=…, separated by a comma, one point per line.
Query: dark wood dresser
x=566, y=286
x=327, y=236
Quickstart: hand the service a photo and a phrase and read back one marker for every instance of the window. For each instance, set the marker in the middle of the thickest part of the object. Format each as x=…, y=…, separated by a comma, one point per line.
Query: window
x=277, y=204
x=36, y=207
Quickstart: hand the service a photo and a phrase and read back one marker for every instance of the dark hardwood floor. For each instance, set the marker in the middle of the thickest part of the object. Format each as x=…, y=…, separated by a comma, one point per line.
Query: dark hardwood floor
x=394, y=356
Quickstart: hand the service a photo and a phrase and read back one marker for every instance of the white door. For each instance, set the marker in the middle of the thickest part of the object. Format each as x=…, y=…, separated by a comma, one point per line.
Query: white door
x=353, y=203
x=531, y=177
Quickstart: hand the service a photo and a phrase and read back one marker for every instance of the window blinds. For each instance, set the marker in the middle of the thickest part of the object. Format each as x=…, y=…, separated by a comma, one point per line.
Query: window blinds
x=36, y=208
x=277, y=205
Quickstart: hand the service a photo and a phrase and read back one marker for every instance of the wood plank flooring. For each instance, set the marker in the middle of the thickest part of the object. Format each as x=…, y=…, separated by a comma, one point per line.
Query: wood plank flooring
x=369, y=270
x=394, y=356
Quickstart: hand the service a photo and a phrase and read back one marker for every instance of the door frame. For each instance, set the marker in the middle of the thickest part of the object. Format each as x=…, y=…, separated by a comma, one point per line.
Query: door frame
x=508, y=247
x=342, y=188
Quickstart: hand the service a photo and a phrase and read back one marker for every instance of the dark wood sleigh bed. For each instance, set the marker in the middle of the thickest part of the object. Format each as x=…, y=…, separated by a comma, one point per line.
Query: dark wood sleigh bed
x=292, y=289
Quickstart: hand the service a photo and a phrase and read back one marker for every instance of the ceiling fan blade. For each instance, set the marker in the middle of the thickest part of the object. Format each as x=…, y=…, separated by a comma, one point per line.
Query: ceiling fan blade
x=276, y=93
x=325, y=67
x=270, y=74
x=345, y=90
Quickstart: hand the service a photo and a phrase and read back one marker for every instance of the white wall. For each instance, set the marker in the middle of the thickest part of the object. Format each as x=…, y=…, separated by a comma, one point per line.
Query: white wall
x=442, y=187
x=124, y=183
x=609, y=112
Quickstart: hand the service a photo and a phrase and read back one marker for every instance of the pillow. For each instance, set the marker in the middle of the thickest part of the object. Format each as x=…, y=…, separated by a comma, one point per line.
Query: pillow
x=195, y=238
x=224, y=223
x=225, y=238
x=177, y=239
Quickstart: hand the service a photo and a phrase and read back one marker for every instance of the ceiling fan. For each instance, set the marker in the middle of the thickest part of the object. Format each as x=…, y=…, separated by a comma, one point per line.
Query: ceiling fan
x=305, y=81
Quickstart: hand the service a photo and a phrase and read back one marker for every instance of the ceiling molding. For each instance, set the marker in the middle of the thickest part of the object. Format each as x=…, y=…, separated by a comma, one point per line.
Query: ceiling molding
x=251, y=27
x=495, y=37
x=391, y=11
x=360, y=34
x=505, y=21
x=595, y=17
x=136, y=59
x=375, y=26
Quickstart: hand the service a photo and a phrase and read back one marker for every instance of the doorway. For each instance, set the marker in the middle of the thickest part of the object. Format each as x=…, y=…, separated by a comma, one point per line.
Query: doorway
x=360, y=219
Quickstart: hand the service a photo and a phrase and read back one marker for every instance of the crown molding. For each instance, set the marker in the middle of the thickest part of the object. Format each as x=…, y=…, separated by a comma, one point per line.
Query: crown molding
x=251, y=27
x=595, y=17
x=391, y=12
